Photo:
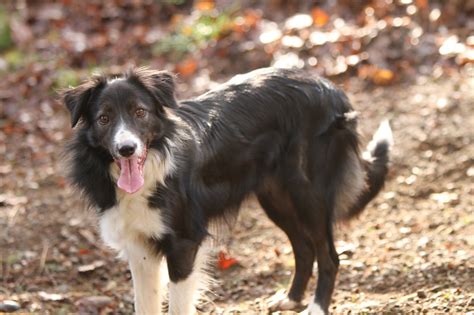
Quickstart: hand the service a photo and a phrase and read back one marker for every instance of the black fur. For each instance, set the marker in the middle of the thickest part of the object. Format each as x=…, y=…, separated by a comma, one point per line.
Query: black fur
x=376, y=172
x=279, y=134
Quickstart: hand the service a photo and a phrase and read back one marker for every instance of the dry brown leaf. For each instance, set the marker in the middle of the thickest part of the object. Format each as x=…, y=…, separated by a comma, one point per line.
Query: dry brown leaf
x=247, y=22
x=91, y=267
x=187, y=67
x=93, y=304
x=204, y=5
x=225, y=262
x=422, y=4
x=383, y=76
x=320, y=17
x=252, y=17
x=50, y=296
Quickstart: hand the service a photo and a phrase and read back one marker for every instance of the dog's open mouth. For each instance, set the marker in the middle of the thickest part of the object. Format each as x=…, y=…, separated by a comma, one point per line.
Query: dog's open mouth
x=131, y=177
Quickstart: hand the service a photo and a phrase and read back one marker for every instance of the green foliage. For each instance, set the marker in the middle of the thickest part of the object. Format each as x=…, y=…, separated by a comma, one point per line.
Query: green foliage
x=176, y=43
x=13, y=259
x=5, y=34
x=14, y=58
x=210, y=27
x=175, y=2
x=65, y=78
x=189, y=36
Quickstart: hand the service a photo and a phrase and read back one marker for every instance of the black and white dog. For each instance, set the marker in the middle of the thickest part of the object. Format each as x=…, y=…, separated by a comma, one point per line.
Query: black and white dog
x=159, y=172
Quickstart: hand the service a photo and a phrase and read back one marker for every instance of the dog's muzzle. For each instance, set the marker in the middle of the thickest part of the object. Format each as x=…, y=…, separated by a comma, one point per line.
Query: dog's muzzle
x=126, y=148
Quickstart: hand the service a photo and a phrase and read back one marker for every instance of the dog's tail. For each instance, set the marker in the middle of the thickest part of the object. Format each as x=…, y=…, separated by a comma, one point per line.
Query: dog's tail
x=375, y=162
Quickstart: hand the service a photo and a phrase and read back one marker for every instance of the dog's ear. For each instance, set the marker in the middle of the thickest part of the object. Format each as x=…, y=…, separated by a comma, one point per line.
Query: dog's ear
x=77, y=99
x=160, y=85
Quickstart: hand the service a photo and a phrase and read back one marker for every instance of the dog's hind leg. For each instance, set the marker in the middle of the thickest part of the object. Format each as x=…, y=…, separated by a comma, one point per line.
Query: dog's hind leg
x=279, y=208
x=314, y=213
x=328, y=264
x=318, y=224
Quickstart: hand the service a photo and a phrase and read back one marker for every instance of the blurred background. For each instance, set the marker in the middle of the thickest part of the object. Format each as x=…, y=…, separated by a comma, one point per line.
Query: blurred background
x=411, y=61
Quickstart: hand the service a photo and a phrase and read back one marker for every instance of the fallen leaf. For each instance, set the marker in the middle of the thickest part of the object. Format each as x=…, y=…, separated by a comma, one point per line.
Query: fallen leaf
x=204, y=5
x=247, y=22
x=277, y=252
x=422, y=4
x=252, y=17
x=93, y=304
x=292, y=41
x=91, y=267
x=9, y=306
x=187, y=67
x=298, y=22
x=466, y=57
x=383, y=76
x=21, y=32
x=320, y=17
x=88, y=235
x=444, y=197
x=83, y=251
x=225, y=262
x=50, y=296
x=270, y=33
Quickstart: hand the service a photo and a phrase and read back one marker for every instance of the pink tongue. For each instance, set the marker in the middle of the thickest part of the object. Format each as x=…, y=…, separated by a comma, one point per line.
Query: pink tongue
x=131, y=178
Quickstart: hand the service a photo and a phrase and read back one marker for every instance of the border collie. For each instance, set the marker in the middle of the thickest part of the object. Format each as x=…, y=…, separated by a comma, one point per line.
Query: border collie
x=159, y=172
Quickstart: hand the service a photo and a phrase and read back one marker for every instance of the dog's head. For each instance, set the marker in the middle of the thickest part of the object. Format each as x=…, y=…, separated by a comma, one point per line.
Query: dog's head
x=123, y=115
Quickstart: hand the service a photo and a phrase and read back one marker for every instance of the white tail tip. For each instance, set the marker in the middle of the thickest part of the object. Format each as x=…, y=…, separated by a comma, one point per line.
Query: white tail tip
x=383, y=134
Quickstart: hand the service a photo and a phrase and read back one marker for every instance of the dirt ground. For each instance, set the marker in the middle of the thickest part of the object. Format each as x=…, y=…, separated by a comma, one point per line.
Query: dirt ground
x=411, y=251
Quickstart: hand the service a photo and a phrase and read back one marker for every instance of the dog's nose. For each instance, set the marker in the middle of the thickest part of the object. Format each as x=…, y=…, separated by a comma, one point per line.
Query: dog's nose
x=127, y=149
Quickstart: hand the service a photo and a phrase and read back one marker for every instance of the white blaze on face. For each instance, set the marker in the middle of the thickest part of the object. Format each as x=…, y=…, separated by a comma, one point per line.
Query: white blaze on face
x=124, y=135
x=131, y=177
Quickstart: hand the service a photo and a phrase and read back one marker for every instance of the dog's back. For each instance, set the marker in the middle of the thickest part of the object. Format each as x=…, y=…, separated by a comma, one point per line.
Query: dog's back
x=278, y=123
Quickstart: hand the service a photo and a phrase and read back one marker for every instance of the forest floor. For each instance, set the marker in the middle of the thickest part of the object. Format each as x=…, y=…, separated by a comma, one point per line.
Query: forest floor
x=411, y=62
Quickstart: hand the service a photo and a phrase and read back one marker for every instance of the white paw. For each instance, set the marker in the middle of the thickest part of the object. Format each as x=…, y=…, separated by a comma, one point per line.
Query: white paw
x=280, y=302
x=313, y=309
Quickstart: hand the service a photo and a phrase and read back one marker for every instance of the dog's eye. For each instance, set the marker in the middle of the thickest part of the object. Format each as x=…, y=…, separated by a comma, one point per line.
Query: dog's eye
x=140, y=113
x=103, y=119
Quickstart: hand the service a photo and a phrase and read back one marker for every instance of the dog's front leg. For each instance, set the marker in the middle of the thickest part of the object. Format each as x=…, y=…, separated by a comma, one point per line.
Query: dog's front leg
x=186, y=263
x=145, y=268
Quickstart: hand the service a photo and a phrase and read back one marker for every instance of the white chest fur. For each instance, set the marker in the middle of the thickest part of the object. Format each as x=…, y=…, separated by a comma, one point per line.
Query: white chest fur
x=129, y=223
x=132, y=221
